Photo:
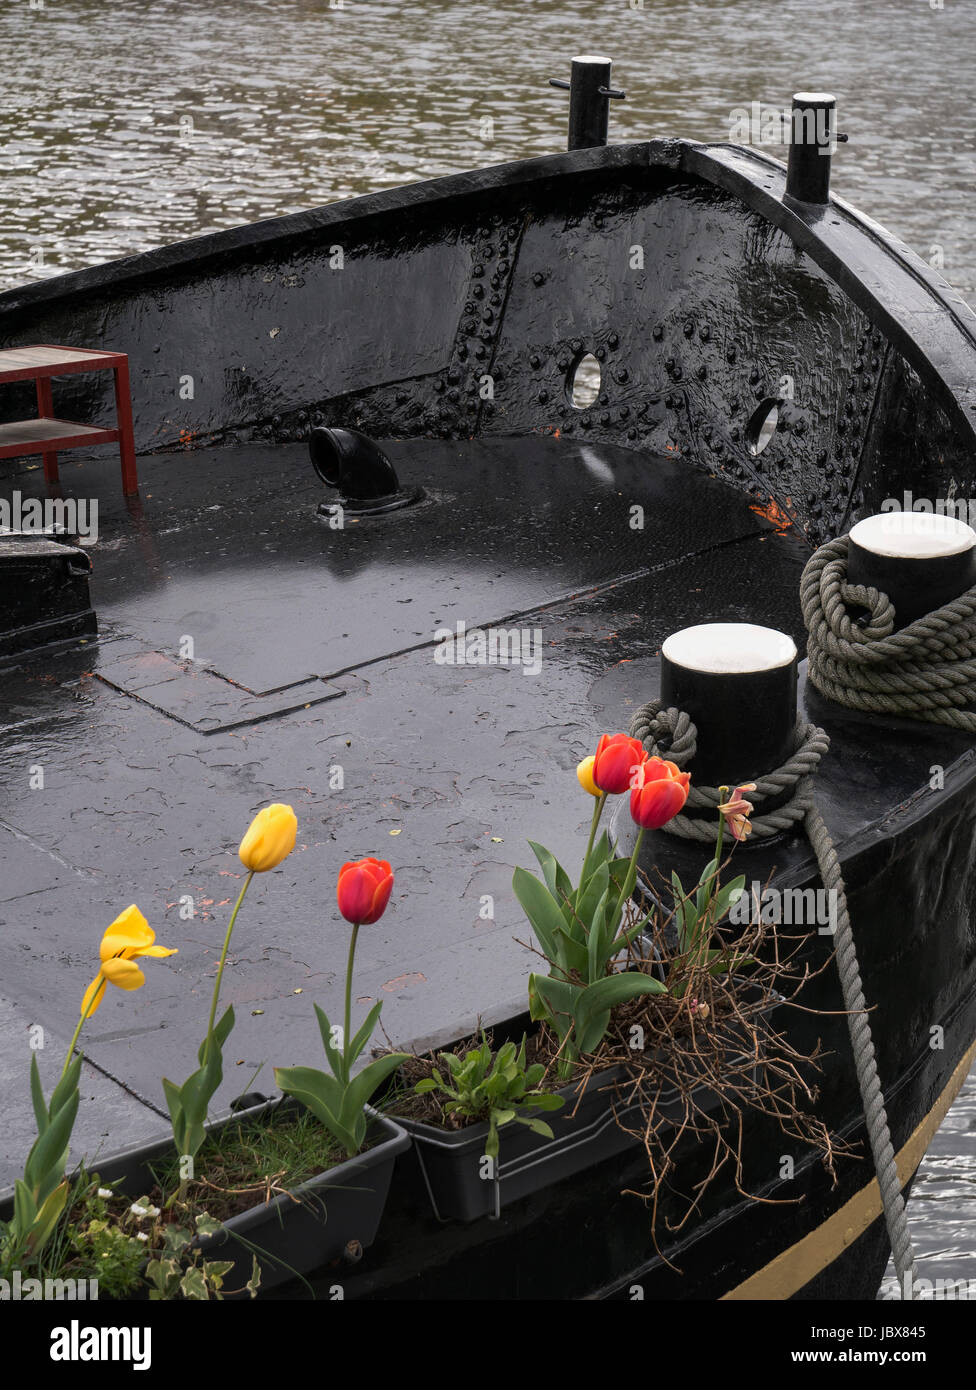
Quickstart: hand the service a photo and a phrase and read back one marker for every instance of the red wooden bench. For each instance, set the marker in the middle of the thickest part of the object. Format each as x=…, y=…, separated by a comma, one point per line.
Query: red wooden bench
x=48, y=435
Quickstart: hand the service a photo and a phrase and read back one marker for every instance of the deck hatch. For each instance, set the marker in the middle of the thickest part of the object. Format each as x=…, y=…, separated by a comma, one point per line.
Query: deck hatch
x=201, y=697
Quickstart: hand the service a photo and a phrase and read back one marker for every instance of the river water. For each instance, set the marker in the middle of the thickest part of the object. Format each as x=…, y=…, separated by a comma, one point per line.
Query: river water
x=127, y=125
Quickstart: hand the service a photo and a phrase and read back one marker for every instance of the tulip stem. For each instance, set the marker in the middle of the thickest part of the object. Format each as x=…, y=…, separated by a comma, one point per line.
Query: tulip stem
x=723, y=791
x=594, y=822
x=223, y=960
x=632, y=869
x=348, y=1017
x=74, y=1038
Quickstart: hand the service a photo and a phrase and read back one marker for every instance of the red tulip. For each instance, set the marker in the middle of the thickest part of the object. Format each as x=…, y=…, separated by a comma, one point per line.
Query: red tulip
x=615, y=761
x=660, y=793
x=363, y=890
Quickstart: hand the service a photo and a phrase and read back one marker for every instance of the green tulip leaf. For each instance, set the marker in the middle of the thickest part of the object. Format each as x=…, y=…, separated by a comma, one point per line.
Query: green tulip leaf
x=546, y=919
x=706, y=886
x=67, y=1085
x=365, y=1032
x=25, y=1208
x=726, y=897
x=557, y=879
x=598, y=999
x=37, y=1096
x=596, y=953
x=308, y=1080
x=47, y=1218
x=48, y=1155
x=336, y=1062
x=572, y=943
x=586, y=906
x=174, y=1103
x=221, y=1032
x=365, y=1083
x=319, y=1093
x=560, y=996
x=590, y=1034
x=598, y=858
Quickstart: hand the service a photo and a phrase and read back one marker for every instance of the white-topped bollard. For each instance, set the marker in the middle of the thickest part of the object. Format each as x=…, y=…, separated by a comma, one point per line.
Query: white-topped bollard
x=737, y=682
x=921, y=560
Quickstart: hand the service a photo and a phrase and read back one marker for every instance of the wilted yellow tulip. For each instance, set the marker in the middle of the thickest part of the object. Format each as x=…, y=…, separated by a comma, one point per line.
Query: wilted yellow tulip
x=584, y=773
x=129, y=936
x=270, y=839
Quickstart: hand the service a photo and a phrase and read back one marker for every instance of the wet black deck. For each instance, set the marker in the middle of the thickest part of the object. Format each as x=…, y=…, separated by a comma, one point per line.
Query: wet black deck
x=315, y=648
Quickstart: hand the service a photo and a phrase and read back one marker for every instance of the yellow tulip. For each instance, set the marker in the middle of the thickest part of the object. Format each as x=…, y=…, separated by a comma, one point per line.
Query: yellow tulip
x=130, y=935
x=270, y=839
x=585, y=774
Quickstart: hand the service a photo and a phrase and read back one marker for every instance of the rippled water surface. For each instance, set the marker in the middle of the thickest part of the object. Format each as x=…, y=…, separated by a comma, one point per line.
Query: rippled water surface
x=126, y=125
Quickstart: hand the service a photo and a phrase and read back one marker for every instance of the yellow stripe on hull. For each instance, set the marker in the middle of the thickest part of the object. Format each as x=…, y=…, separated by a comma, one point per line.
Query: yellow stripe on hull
x=793, y=1268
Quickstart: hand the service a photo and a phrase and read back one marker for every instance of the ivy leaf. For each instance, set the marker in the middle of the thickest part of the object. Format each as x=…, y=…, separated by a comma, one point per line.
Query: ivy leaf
x=193, y=1285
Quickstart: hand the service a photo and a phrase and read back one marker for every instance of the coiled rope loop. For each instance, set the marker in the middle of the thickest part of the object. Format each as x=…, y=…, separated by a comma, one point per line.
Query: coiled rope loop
x=670, y=733
x=927, y=671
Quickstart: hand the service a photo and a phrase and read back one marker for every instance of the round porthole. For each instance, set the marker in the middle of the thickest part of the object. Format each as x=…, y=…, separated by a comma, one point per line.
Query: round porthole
x=583, y=382
x=762, y=425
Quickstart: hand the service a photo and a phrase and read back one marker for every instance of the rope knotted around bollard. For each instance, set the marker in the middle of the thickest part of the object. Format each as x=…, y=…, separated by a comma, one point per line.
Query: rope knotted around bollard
x=670, y=734
x=927, y=671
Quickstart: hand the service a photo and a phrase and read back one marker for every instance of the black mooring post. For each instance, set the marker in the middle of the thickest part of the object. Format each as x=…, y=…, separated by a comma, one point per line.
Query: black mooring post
x=921, y=560
x=737, y=682
x=590, y=95
x=812, y=141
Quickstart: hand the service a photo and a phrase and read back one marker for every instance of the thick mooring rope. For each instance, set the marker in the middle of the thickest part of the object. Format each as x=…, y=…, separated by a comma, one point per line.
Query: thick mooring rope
x=670, y=733
x=927, y=671
x=862, y=1044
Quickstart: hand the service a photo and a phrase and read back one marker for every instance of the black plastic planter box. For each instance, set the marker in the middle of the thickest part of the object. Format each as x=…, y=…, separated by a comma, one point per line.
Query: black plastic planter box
x=454, y=1168
x=289, y=1236
x=586, y=1131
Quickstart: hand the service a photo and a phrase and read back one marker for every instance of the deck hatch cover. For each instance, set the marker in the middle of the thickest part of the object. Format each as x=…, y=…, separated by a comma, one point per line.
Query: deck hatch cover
x=202, y=698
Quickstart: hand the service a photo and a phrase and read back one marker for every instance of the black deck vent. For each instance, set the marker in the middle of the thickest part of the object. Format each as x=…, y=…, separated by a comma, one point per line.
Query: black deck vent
x=365, y=478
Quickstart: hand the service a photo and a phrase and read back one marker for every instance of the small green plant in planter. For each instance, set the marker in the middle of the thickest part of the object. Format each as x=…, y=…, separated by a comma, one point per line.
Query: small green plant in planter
x=339, y=1100
x=499, y=1092
x=122, y=1248
x=95, y=1242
